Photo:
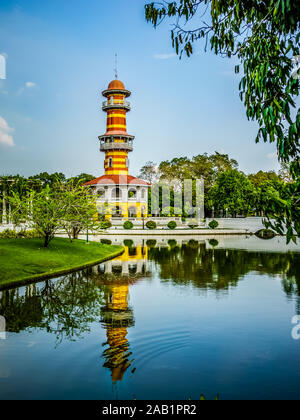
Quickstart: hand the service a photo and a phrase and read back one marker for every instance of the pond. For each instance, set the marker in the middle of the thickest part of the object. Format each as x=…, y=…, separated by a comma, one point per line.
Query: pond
x=169, y=319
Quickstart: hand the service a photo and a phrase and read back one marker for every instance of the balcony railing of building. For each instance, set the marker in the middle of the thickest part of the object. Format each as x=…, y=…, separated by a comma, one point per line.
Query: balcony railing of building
x=122, y=199
x=115, y=104
x=116, y=146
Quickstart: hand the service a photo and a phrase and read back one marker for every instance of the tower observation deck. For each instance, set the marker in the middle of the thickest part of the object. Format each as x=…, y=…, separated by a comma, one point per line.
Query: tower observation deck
x=116, y=143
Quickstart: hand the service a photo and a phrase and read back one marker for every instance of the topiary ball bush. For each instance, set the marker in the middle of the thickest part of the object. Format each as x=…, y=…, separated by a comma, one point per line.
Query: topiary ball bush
x=213, y=224
x=105, y=225
x=151, y=225
x=213, y=243
x=265, y=234
x=151, y=243
x=172, y=225
x=129, y=243
x=128, y=225
x=106, y=241
x=193, y=244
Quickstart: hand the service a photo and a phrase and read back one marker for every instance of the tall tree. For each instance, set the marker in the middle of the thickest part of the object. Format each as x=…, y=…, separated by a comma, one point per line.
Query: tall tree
x=79, y=208
x=233, y=192
x=260, y=177
x=264, y=37
x=41, y=210
x=70, y=207
x=149, y=172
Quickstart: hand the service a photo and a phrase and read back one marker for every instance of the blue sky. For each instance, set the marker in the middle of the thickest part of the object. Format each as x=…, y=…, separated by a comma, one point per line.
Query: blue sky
x=60, y=56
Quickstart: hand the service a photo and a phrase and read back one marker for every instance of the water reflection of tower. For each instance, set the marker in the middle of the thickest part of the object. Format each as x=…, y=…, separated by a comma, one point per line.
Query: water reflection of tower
x=117, y=315
x=133, y=263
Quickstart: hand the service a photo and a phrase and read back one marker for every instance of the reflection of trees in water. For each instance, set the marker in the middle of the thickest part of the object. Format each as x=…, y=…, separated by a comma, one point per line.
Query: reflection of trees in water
x=64, y=307
x=219, y=269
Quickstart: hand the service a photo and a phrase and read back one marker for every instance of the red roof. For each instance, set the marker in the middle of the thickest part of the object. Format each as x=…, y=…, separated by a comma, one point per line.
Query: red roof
x=116, y=85
x=117, y=180
x=112, y=132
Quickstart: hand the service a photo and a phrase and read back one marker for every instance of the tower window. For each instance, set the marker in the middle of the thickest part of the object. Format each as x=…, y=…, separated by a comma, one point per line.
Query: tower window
x=110, y=162
x=127, y=162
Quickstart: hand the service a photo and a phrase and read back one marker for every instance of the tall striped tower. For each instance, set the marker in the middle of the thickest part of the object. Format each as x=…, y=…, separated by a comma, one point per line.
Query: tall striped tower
x=119, y=194
x=116, y=142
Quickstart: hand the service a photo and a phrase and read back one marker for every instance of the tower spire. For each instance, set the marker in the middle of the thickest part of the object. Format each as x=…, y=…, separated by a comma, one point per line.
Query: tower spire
x=116, y=66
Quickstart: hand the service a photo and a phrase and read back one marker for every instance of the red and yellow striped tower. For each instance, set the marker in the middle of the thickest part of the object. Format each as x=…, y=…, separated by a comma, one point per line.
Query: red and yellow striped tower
x=116, y=142
x=119, y=193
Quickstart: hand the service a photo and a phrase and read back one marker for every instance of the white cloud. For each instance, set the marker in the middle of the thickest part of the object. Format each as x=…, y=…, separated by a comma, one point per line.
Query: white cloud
x=5, y=133
x=164, y=56
x=30, y=84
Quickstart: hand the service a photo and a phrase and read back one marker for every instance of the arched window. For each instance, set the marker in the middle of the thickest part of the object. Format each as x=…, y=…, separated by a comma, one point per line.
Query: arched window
x=116, y=211
x=116, y=193
x=132, y=212
x=132, y=193
x=101, y=193
x=110, y=162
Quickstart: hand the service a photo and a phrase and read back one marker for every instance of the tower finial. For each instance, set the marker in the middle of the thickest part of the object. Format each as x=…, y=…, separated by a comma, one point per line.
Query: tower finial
x=116, y=65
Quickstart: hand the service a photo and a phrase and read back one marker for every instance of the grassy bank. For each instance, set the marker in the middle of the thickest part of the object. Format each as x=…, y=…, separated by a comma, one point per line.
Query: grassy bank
x=24, y=259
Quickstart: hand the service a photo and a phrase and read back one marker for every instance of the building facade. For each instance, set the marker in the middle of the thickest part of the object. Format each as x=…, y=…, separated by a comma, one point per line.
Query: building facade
x=118, y=193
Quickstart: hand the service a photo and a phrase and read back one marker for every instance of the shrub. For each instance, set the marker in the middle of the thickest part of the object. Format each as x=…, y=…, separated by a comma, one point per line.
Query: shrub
x=8, y=234
x=105, y=241
x=213, y=224
x=22, y=234
x=213, y=242
x=265, y=234
x=32, y=234
x=129, y=243
x=105, y=224
x=172, y=243
x=193, y=244
x=151, y=243
x=172, y=225
x=128, y=225
x=151, y=225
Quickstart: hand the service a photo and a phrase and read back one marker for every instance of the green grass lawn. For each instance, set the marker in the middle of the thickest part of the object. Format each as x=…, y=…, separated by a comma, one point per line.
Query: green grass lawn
x=24, y=259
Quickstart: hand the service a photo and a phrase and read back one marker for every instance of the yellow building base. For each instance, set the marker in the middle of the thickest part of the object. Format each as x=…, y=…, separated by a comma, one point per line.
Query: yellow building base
x=126, y=209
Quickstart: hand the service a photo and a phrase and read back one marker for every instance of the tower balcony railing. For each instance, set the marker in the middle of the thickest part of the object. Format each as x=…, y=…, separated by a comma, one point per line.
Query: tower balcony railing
x=116, y=104
x=116, y=146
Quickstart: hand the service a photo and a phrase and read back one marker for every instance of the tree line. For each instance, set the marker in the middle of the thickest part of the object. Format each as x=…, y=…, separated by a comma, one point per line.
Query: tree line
x=229, y=191
x=49, y=203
